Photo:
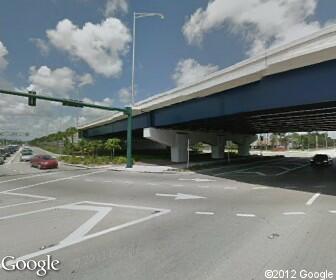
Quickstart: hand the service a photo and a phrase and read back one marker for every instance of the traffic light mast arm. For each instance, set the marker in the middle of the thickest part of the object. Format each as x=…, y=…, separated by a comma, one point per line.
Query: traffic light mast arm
x=66, y=102
x=32, y=96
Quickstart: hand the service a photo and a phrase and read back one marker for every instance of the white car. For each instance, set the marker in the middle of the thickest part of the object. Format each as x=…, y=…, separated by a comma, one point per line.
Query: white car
x=26, y=155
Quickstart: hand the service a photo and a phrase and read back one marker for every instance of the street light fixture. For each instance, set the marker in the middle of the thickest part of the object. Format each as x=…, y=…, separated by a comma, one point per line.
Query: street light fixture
x=135, y=17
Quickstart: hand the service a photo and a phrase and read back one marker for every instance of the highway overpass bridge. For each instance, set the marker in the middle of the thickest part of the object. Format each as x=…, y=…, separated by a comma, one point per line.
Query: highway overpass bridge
x=287, y=89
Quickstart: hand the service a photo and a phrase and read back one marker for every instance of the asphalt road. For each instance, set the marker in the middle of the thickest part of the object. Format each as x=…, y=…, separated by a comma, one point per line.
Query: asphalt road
x=232, y=222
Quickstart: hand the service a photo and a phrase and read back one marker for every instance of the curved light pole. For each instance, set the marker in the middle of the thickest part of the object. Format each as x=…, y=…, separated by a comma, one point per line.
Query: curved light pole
x=135, y=17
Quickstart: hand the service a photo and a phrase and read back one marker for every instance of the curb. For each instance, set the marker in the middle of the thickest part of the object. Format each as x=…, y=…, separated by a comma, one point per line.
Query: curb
x=122, y=169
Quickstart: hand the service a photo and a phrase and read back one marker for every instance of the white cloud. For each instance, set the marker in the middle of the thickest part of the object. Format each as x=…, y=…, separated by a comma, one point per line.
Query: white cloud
x=60, y=81
x=101, y=46
x=42, y=45
x=88, y=114
x=85, y=79
x=263, y=23
x=124, y=95
x=114, y=6
x=3, y=53
x=189, y=71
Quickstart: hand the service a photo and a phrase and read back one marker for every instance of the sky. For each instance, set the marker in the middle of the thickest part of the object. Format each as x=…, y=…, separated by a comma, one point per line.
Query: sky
x=82, y=49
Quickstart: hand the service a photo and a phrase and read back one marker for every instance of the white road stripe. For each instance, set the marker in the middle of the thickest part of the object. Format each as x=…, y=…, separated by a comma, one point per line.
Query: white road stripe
x=332, y=211
x=230, y=188
x=28, y=177
x=260, y=188
x=205, y=213
x=293, y=213
x=312, y=199
x=245, y=215
x=52, y=181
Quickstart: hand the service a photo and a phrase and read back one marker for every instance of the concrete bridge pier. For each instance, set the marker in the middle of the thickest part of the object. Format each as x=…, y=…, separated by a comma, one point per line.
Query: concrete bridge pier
x=178, y=141
x=217, y=149
x=244, y=142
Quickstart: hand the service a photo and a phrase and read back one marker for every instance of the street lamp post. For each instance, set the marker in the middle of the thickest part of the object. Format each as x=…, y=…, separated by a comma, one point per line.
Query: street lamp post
x=135, y=17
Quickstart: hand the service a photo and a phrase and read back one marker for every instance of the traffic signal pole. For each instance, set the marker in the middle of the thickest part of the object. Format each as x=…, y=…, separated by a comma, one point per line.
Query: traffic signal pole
x=32, y=97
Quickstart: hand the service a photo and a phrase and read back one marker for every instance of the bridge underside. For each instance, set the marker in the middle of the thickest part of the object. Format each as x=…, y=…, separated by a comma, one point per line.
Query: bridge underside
x=301, y=100
x=317, y=117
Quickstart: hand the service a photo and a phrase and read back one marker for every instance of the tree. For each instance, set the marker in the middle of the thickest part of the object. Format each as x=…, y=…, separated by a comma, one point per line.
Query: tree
x=112, y=145
x=82, y=145
x=70, y=133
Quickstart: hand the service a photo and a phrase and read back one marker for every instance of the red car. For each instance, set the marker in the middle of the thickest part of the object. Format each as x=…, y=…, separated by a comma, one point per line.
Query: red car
x=44, y=162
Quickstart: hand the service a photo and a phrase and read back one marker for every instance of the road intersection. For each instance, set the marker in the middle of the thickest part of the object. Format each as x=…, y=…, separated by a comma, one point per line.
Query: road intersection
x=103, y=224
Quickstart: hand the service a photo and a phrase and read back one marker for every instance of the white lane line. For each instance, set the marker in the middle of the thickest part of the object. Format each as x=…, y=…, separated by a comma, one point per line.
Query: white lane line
x=204, y=213
x=230, y=188
x=293, y=213
x=253, y=164
x=312, y=199
x=197, y=180
x=203, y=187
x=332, y=211
x=13, y=157
x=260, y=188
x=177, y=185
x=291, y=170
x=156, y=213
x=28, y=177
x=245, y=215
x=39, y=197
x=52, y=181
x=153, y=184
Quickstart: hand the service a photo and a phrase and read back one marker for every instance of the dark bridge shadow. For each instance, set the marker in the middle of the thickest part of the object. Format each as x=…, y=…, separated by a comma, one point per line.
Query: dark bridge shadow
x=305, y=178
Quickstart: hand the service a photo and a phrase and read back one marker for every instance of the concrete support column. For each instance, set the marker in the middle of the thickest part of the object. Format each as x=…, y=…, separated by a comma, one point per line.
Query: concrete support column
x=177, y=141
x=244, y=142
x=217, y=151
x=178, y=151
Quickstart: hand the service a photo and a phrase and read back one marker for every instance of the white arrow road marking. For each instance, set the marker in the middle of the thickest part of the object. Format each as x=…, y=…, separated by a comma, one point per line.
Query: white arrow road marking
x=312, y=199
x=80, y=234
x=180, y=196
x=197, y=180
x=89, y=224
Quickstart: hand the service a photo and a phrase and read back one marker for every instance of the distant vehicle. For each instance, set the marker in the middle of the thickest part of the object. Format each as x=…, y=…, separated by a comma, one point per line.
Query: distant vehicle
x=44, y=162
x=25, y=149
x=321, y=160
x=26, y=155
x=3, y=153
x=2, y=160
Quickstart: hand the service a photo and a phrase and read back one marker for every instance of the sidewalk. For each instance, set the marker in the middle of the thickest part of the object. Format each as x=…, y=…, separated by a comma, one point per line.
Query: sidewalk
x=136, y=168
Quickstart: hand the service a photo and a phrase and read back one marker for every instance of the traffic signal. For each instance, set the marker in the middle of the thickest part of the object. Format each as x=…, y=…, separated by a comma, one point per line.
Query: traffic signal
x=31, y=99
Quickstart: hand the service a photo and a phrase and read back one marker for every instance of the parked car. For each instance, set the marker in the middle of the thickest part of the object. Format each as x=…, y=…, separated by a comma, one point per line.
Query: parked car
x=26, y=155
x=2, y=160
x=44, y=162
x=321, y=160
x=3, y=153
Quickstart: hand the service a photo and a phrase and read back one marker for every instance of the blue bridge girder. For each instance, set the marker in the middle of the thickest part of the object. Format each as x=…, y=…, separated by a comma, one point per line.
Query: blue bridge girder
x=303, y=99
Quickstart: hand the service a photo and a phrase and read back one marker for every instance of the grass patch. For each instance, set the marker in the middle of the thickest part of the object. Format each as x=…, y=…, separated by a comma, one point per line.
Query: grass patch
x=99, y=160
